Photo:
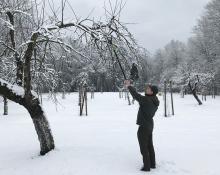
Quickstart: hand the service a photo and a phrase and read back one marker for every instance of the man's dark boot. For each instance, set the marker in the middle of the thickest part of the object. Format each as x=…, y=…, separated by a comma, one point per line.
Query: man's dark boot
x=145, y=169
x=153, y=167
x=146, y=161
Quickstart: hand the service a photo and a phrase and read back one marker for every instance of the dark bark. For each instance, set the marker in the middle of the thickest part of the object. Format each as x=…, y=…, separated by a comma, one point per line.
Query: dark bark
x=5, y=106
x=31, y=103
x=86, y=100
x=11, y=32
x=83, y=99
x=165, y=99
x=129, y=101
x=171, y=96
x=27, y=65
x=193, y=90
x=41, y=126
x=19, y=73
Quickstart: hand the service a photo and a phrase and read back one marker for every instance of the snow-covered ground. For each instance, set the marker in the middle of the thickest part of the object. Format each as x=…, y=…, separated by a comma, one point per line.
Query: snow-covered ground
x=105, y=143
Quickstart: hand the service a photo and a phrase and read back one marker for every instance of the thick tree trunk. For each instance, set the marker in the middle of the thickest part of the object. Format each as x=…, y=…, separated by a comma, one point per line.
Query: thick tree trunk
x=41, y=125
x=44, y=133
x=32, y=104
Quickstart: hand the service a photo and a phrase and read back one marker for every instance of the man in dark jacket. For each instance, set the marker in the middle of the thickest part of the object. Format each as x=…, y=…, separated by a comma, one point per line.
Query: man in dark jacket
x=148, y=106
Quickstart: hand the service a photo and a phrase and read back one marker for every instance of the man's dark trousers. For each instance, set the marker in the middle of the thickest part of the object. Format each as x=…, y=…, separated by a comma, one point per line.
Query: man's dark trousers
x=146, y=147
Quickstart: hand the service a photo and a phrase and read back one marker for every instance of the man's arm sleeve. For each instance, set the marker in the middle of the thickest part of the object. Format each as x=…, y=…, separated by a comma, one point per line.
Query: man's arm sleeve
x=134, y=94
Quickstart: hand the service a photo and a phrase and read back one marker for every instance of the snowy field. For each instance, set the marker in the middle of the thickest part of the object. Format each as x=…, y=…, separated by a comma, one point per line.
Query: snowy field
x=105, y=143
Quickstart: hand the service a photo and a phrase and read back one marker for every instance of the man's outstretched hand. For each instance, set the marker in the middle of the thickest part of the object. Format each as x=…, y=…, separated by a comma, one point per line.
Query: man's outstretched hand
x=127, y=83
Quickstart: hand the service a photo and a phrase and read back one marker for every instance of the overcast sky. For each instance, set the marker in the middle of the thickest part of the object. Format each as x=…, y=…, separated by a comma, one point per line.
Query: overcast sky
x=157, y=21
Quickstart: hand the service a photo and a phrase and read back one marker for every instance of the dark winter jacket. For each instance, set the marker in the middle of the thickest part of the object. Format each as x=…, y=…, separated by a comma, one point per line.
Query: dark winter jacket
x=148, y=106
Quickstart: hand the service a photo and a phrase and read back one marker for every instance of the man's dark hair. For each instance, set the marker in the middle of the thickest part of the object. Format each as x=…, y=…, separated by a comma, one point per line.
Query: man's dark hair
x=154, y=89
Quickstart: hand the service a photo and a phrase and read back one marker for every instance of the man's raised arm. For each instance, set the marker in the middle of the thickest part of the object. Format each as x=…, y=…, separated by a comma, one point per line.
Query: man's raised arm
x=133, y=91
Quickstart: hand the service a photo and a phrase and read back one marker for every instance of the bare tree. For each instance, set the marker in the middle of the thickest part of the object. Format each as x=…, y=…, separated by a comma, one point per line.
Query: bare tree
x=33, y=37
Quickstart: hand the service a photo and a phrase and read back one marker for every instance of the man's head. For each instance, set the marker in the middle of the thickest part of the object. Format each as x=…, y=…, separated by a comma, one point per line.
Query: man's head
x=151, y=90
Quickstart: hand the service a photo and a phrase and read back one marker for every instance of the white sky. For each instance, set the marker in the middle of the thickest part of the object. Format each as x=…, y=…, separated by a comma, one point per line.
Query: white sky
x=156, y=21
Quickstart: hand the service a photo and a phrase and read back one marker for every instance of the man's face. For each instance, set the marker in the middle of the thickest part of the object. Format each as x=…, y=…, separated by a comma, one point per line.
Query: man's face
x=148, y=91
